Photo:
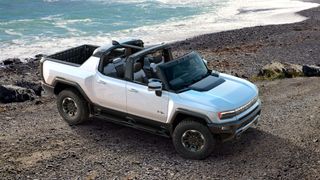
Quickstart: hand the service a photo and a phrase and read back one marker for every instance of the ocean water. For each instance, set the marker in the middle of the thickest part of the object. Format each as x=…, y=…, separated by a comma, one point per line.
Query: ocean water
x=29, y=27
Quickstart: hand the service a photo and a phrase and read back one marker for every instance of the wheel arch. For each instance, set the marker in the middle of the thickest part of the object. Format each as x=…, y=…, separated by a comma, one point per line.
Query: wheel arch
x=182, y=114
x=60, y=84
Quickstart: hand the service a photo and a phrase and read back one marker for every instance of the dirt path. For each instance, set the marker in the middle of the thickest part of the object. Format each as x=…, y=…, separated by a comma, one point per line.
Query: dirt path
x=36, y=143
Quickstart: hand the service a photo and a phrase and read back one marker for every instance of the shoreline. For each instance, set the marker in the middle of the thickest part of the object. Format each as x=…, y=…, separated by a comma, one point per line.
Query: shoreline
x=243, y=52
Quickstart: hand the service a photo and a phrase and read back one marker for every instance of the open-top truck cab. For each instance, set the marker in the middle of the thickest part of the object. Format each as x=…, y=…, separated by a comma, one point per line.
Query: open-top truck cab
x=146, y=88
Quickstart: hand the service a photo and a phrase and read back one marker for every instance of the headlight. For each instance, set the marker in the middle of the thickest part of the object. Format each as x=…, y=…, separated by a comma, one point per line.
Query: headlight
x=235, y=112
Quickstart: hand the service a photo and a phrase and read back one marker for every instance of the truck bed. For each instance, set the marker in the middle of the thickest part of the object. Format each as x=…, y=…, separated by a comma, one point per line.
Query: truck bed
x=76, y=56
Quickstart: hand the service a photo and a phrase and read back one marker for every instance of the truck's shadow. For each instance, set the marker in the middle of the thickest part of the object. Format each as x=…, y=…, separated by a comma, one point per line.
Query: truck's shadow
x=256, y=148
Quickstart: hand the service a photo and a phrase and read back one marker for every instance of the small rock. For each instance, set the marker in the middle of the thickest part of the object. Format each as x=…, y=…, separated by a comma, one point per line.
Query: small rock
x=315, y=140
x=136, y=162
x=8, y=118
x=92, y=175
x=2, y=109
x=244, y=76
x=38, y=102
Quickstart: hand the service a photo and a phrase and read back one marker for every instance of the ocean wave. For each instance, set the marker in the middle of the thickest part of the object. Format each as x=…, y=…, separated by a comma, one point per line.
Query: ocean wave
x=13, y=32
x=52, y=17
x=58, y=21
x=50, y=1
x=16, y=21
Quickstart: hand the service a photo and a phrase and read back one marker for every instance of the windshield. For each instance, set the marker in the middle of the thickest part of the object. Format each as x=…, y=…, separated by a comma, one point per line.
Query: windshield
x=185, y=71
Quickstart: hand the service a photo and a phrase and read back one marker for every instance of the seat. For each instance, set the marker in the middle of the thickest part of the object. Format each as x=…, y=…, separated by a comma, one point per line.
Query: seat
x=146, y=67
x=156, y=62
x=139, y=75
x=115, y=68
x=119, y=64
x=110, y=70
x=150, y=65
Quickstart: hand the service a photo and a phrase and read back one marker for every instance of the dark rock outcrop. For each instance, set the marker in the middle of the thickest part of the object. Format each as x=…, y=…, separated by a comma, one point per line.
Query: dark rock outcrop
x=36, y=87
x=6, y=95
x=11, y=93
x=11, y=61
x=310, y=70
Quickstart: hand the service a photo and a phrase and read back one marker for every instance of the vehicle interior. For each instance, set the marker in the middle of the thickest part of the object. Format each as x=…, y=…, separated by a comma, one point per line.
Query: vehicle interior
x=146, y=67
x=113, y=64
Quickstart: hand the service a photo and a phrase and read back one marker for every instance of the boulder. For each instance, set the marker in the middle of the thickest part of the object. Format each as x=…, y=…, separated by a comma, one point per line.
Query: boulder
x=7, y=95
x=36, y=87
x=39, y=56
x=292, y=70
x=281, y=70
x=311, y=70
x=11, y=61
x=273, y=70
x=10, y=93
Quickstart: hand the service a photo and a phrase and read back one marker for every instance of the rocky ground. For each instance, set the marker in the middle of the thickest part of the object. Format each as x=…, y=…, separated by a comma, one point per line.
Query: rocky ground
x=35, y=143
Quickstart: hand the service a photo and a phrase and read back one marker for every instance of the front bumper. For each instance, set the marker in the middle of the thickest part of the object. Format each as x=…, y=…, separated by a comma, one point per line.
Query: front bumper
x=234, y=129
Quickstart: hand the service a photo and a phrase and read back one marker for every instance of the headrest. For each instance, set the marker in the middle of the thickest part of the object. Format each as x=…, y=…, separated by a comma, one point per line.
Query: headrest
x=128, y=52
x=157, y=59
x=137, y=67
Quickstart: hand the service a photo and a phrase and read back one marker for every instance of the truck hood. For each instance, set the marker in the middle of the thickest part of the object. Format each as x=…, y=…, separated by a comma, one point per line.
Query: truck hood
x=229, y=95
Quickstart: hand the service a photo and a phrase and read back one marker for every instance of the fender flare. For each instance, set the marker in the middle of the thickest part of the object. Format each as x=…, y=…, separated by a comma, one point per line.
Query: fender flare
x=186, y=112
x=75, y=85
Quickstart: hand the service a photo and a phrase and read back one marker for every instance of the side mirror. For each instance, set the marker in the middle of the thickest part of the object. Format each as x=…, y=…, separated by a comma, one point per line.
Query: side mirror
x=155, y=86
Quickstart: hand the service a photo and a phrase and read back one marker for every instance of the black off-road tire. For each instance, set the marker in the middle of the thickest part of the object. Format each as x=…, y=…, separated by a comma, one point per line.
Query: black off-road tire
x=73, y=96
x=192, y=126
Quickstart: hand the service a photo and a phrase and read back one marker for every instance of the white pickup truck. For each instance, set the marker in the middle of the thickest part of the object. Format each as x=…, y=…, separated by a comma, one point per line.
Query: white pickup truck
x=146, y=88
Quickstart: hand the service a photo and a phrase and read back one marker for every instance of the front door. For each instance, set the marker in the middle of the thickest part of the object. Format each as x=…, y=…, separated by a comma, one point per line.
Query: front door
x=146, y=104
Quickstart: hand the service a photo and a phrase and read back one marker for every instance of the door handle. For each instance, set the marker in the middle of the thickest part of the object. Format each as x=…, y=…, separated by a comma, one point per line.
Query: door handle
x=102, y=82
x=133, y=90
